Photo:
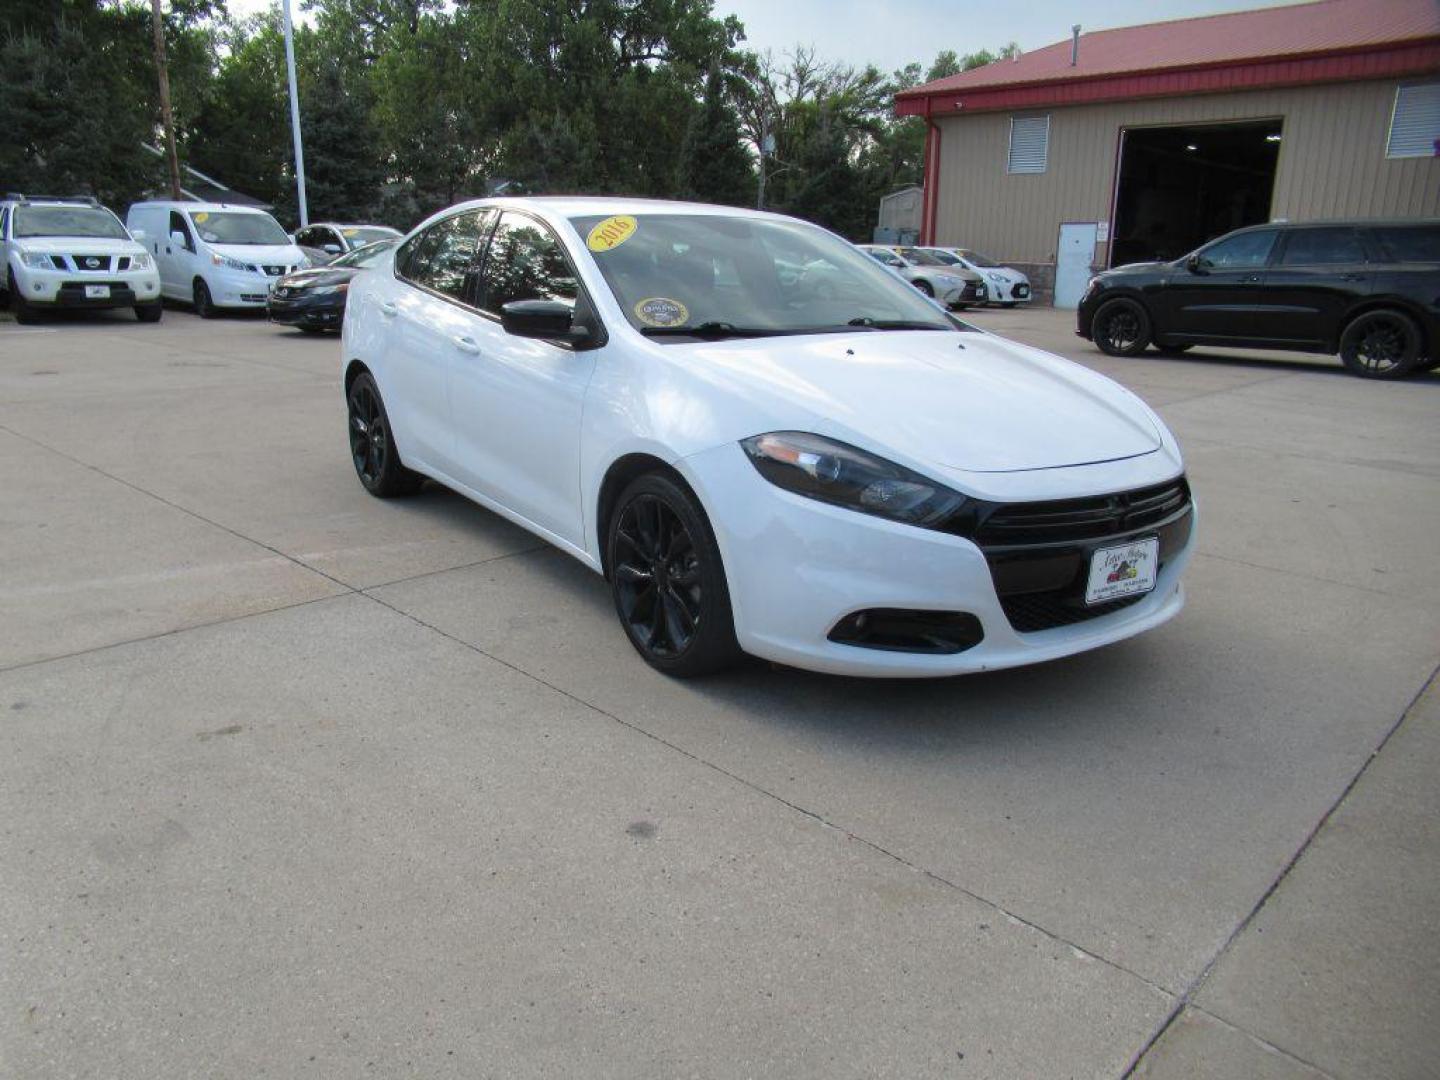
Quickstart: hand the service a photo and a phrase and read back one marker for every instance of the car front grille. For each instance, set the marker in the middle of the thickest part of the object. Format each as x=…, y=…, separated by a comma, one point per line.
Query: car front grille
x=275, y=271
x=1039, y=553
x=1071, y=520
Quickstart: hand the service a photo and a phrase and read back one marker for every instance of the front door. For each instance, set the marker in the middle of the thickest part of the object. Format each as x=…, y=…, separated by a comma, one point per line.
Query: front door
x=1073, y=261
x=176, y=259
x=1220, y=293
x=515, y=402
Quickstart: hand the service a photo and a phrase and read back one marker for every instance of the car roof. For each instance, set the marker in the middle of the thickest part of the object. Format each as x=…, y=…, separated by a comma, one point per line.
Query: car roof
x=1342, y=223
x=190, y=204
x=568, y=206
x=349, y=225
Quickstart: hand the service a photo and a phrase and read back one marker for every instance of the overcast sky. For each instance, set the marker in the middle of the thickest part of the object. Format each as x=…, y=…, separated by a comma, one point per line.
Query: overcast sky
x=892, y=33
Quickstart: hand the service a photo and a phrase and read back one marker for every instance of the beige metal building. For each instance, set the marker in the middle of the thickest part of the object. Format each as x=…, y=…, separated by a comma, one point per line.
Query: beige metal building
x=1145, y=142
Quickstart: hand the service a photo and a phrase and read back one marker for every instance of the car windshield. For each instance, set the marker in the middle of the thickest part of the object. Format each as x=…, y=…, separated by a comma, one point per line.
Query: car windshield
x=717, y=275
x=366, y=255
x=922, y=258
x=355, y=235
x=946, y=258
x=226, y=227
x=974, y=258
x=91, y=221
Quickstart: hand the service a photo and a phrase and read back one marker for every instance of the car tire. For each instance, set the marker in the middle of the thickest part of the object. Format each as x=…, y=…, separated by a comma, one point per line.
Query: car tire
x=23, y=312
x=668, y=581
x=372, y=443
x=926, y=288
x=1382, y=344
x=1121, y=328
x=149, y=312
x=204, y=304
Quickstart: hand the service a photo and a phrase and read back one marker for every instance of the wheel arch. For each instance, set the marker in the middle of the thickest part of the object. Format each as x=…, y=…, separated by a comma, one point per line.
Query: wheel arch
x=617, y=477
x=1383, y=303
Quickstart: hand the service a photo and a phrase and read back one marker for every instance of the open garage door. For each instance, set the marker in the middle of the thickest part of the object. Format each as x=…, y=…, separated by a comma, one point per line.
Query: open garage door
x=1181, y=186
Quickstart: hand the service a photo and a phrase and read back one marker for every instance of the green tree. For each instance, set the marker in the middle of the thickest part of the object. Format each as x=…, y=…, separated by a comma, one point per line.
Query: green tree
x=343, y=171
x=713, y=161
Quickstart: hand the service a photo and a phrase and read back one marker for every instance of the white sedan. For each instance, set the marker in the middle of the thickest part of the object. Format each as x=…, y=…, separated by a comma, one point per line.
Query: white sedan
x=1004, y=285
x=848, y=479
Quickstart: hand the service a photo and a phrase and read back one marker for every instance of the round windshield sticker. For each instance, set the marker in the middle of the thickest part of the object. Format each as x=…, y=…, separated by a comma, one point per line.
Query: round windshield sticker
x=201, y=217
x=662, y=311
x=351, y=232
x=611, y=233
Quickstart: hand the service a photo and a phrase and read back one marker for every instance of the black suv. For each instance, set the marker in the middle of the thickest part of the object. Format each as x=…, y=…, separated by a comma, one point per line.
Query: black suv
x=1368, y=290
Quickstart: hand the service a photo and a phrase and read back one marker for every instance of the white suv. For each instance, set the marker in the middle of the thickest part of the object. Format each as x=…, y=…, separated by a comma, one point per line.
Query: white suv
x=73, y=253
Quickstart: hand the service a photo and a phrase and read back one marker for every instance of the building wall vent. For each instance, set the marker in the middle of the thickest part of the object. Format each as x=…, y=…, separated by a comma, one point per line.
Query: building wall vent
x=1029, y=144
x=1415, y=122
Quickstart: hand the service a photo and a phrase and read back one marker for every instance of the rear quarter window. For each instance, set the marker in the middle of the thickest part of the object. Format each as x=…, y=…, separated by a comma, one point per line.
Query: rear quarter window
x=1410, y=243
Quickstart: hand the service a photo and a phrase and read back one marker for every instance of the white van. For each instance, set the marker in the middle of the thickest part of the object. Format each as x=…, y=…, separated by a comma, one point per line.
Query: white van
x=72, y=253
x=214, y=255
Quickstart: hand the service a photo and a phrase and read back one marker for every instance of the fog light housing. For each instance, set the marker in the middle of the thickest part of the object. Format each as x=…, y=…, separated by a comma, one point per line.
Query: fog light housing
x=942, y=633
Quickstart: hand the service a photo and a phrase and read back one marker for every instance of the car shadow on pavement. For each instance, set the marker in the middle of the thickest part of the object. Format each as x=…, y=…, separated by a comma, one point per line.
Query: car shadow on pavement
x=1280, y=365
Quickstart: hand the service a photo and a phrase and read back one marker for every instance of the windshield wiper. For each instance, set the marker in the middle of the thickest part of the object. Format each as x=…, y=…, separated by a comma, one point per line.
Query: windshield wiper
x=894, y=324
x=711, y=330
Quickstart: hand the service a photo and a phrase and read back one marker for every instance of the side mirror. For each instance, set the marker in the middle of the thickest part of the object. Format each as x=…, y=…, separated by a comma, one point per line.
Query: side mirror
x=178, y=239
x=331, y=249
x=1196, y=265
x=137, y=234
x=553, y=320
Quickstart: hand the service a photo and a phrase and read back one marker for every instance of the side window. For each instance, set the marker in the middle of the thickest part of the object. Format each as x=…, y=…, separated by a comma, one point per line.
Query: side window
x=306, y=238
x=445, y=256
x=331, y=237
x=4, y=222
x=1322, y=247
x=180, y=225
x=1248, y=251
x=526, y=262
x=1411, y=243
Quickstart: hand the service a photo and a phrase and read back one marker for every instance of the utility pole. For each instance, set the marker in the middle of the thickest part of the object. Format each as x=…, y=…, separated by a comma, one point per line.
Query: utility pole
x=294, y=114
x=167, y=118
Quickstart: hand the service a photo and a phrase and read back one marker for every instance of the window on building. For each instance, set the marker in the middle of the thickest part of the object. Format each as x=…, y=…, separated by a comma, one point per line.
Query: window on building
x=1415, y=122
x=1322, y=247
x=1029, y=144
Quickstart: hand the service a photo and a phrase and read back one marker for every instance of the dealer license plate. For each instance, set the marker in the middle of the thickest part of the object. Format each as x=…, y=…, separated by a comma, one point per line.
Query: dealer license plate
x=1127, y=570
x=97, y=292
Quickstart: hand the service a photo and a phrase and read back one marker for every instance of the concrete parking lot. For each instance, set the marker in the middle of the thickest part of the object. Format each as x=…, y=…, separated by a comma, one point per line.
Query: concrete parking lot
x=298, y=783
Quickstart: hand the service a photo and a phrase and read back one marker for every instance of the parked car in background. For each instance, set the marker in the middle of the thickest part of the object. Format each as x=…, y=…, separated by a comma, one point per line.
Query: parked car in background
x=1004, y=285
x=327, y=240
x=314, y=299
x=857, y=482
x=953, y=286
x=215, y=255
x=73, y=253
x=1368, y=290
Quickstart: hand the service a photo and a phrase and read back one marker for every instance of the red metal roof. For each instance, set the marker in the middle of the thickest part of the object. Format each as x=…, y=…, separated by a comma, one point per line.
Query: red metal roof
x=1267, y=39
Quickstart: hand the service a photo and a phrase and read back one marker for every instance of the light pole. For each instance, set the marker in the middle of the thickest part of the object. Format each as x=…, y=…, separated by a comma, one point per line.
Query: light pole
x=295, y=115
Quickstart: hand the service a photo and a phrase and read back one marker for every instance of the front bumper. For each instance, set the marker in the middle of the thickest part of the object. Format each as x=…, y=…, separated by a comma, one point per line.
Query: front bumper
x=324, y=312
x=1008, y=292
x=69, y=289
x=796, y=567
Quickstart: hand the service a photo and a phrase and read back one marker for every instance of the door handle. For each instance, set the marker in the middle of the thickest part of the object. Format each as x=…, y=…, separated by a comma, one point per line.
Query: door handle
x=388, y=309
x=465, y=343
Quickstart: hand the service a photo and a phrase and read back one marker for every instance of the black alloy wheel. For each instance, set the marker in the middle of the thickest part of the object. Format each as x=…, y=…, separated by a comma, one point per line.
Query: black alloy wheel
x=667, y=580
x=204, y=305
x=1381, y=345
x=1121, y=328
x=372, y=449
x=149, y=312
x=926, y=288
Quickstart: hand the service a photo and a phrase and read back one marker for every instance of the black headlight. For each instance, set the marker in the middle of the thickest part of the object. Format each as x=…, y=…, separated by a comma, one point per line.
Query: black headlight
x=842, y=475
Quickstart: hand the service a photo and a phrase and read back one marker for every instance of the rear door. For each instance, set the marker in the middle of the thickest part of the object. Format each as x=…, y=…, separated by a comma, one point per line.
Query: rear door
x=1220, y=294
x=431, y=314
x=1317, y=275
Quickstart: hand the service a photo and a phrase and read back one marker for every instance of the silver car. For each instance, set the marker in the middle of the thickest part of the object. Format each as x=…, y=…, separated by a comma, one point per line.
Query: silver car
x=953, y=286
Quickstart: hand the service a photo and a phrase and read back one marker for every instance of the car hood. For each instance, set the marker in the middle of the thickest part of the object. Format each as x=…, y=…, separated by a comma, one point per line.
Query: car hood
x=967, y=401
x=86, y=245
x=318, y=276
x=270, y=254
